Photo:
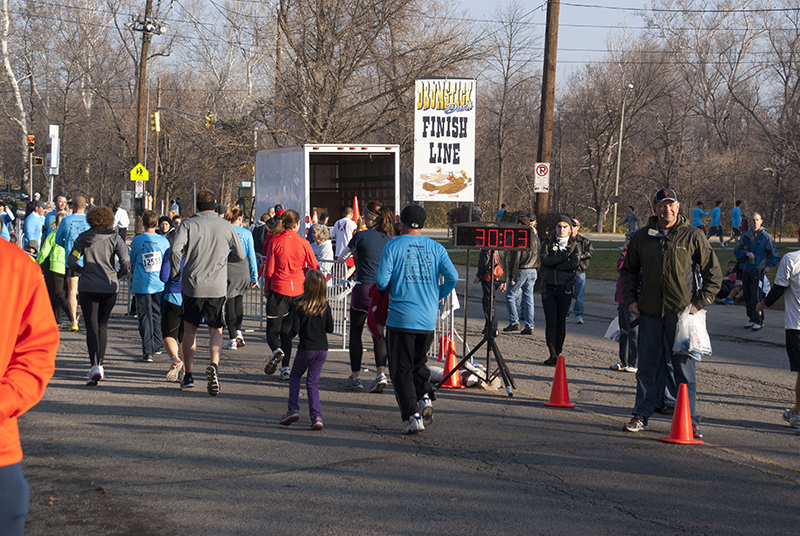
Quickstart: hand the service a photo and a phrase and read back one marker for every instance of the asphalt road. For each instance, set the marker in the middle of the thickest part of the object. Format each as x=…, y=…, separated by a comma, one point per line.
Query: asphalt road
x=135, y=455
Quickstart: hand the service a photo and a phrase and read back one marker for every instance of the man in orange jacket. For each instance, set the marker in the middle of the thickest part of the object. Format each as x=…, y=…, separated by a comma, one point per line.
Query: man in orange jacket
x=28, y=344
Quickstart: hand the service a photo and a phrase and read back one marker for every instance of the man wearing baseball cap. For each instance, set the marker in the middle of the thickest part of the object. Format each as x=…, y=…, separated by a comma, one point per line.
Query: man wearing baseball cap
x=666, y=252
x=410, y=267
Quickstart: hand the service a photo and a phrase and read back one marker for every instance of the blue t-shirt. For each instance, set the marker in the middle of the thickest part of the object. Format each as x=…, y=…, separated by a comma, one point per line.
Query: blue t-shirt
x=697, y=216
x=32, y=229
x=49, y=223
x=736, y=217
x=412, y=266
x=716, y=217
x=71, y=226
x=147, y=254
x=367, y=247
x=246, y=238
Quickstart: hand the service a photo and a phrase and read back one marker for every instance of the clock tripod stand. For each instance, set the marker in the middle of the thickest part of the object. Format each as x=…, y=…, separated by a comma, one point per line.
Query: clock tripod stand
x=489, y=340
x=493, y=237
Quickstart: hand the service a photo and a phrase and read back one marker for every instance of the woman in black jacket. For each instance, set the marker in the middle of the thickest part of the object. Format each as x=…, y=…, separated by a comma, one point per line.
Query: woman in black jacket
x=560, y=255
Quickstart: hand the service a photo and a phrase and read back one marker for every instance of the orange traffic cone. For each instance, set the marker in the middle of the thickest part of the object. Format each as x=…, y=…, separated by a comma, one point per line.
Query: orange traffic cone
x=559, y=393
x=357, y=213
x=454, y=381
x=314, y=218
x=681, y=429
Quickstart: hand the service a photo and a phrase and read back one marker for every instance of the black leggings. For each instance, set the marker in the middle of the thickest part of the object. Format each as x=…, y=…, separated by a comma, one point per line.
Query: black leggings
x=234, y=314
x=357, y=321
x=96, y=312
x=58, y=286
x=555, y=302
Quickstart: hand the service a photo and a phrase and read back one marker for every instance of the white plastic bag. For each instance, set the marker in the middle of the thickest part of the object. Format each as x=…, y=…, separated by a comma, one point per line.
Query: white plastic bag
x=612, y=333
x=691, y=335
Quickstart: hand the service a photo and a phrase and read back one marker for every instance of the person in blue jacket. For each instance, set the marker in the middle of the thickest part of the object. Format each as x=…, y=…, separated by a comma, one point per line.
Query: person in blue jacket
x=697, y=216
x=716, y=224
x=147, y=254
x=756, y=252
x=410, y=267
x=242, y=276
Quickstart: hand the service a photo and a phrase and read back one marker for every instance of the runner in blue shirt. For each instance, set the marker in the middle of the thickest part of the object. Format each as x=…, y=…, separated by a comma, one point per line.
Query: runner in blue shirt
x=736, y=222
x=147, y=253
x=716, y=224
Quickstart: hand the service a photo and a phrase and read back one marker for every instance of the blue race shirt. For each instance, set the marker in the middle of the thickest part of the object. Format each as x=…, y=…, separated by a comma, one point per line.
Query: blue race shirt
x=32, y=229
x=412, y=266
x=697, y=216
x=71, y=226
x=147, y=254
x=716, y=217
x=736, y=217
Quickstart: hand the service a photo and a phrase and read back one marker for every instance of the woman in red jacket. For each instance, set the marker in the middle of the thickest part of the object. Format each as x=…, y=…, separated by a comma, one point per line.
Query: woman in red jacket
x=288, y=257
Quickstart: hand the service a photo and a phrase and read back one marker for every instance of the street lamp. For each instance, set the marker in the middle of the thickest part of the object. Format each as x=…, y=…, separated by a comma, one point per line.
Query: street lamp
x=619, y=156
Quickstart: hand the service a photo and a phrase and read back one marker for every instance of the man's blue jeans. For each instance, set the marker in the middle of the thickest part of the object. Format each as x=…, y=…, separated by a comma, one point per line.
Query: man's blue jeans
x=656, y=337
x=578, y=290
x=519, y=297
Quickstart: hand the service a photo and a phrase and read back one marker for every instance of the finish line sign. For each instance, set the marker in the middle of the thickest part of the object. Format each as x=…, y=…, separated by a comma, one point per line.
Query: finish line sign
x=444, y=140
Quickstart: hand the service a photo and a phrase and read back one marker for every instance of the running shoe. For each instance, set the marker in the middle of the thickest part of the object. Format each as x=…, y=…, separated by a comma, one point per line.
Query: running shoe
x=756, y=327
x=94, y=375
x=618, y=366
x=379, y=384
x=579, y=319
x=175, y=370
x=74, y=326
x=213, y=380
x=749, y=325
x=353, y=384
x=426, y=409
x=272, y=364
x=551, y=361
x=239, y=338
x=230, y=345
x=631, y=369
x=637, y=424
x=147, y=358
x=187, y=382
x=316, y=424
x=291, y=416
x=527, y=331
x=511, y=327
x=696, y=432
x=791, y=417
x=414, y=425
x=286, y=374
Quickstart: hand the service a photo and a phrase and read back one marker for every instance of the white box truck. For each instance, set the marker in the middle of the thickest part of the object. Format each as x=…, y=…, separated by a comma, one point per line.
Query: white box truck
x=325, y=177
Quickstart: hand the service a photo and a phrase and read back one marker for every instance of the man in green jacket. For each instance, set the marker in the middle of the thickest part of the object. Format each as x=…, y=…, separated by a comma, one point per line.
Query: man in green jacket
x=668, y=252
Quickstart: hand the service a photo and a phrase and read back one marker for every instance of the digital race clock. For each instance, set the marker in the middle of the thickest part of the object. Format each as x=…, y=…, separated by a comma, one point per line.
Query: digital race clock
x=506, y=237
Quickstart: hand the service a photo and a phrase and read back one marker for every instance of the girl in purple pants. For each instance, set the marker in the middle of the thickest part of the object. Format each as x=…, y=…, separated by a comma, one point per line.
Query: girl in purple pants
x=312, y=320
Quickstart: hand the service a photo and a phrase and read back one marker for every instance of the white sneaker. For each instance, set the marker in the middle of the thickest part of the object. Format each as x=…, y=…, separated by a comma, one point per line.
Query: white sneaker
x=239, y=338
x=230, y=345
x=94, y=375
x=579, y=320
x=175, y=371
x=102, y=373
x=286, y=374
x=749, y=325
x=414, y=425
x=756, y=327
x=791, y=417
x=426, y=409
x=631, y=369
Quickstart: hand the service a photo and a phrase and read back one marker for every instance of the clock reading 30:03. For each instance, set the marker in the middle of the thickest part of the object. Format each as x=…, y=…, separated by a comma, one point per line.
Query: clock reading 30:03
x=490, y=236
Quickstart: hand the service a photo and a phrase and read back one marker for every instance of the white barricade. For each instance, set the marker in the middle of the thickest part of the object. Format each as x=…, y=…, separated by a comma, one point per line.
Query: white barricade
x=339, y=289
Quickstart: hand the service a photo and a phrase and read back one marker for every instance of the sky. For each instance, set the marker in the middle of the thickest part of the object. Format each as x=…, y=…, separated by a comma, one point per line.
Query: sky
x=582, y=31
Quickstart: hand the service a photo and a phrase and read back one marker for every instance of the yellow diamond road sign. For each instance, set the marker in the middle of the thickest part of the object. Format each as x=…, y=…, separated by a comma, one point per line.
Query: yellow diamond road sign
x=140, y=173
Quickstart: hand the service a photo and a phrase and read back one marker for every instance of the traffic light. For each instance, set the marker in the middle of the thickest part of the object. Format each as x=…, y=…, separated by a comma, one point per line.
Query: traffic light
x=155, y=122
x=31, y=143
x=209, y=121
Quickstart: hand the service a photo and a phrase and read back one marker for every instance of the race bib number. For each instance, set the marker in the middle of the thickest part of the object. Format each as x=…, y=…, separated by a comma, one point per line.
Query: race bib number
x=151, y=261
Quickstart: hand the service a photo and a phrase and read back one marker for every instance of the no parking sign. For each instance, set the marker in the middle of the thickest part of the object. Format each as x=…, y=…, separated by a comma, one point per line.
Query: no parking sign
x=541, y=181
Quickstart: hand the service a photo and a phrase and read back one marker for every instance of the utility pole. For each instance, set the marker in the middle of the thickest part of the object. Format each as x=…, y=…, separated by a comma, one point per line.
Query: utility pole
x=149, y=27
x=545, y=148
x=619, y=158
x=155, y=158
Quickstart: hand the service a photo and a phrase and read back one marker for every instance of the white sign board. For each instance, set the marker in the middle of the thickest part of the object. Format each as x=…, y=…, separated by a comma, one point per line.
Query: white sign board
x=444, y=140
x=541, y=181
x=53, y=151
x=139, y=191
